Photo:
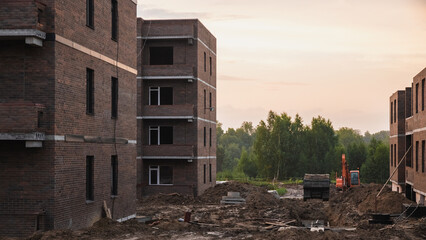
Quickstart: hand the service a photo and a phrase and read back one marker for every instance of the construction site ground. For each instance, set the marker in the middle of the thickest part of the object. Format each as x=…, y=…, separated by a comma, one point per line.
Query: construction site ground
x=263, y=216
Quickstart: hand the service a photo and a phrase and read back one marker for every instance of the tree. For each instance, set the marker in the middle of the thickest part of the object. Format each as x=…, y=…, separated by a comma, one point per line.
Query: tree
x=356, y=155
x=348, y=136
x=376, y=167
x=247, y=164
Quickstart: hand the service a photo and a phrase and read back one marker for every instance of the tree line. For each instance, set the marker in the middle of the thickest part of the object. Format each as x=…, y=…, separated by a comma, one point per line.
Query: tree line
x=281, y=148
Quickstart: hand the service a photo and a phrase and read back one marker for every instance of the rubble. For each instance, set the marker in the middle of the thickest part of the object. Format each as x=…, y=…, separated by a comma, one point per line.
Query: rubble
x=263, y=216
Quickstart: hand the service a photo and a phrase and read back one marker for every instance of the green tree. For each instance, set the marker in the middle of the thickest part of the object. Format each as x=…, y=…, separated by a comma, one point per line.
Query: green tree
x=356, y=155
x=376, y=167
x=348, y=136
x=247, y=164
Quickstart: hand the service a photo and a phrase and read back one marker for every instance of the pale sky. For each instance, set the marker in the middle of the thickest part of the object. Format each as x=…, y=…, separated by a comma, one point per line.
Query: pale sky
x=341, y=59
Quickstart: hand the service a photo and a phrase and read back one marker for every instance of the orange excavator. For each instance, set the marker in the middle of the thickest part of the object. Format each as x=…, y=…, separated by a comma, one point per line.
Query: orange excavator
x=349, y=179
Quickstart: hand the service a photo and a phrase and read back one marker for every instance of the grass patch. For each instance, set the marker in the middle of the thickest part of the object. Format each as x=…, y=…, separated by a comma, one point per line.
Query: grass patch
x=281, y=191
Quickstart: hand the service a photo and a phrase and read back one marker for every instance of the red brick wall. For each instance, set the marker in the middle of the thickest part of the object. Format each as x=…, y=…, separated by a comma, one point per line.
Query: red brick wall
x=188, y=60
x=26, y=184
x=18, y=14
x=20, y=117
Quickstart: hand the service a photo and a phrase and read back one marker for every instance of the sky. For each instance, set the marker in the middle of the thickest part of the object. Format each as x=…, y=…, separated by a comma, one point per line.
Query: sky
x=340, y=59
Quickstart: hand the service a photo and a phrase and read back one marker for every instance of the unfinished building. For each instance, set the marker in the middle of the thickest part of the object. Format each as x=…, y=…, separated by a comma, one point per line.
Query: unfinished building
x=176, y=107
x=408, y=140
x=67, y=113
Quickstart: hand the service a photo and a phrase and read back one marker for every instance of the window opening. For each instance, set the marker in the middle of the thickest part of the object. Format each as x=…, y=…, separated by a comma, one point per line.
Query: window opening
x=391, y=158
x=90, y=91
x=204, y=173
x=417, y=97
x=114, y=175
x=89, y=178
x=205, y=64
x=210, y=172
x=391, y=112
x=204, y=136
x=161, y=55
x=423, y=156
x=114, y=97
x=211, y=66
x=210, y=137
x=114, y=20
x=160, y=135
x=160, y=175
x=90, y=10
x=417, y=156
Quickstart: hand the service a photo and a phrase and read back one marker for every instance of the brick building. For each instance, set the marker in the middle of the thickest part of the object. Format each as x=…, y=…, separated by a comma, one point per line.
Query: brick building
x=176, y=107
x=408, y=137
x=67, y=113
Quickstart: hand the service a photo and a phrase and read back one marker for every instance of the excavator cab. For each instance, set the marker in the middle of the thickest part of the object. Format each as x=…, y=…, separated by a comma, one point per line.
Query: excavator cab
x=355, y=178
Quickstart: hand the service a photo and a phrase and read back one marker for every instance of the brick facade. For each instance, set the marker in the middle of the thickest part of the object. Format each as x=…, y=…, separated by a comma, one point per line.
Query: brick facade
x=192, y=76
x=408, y=135
x=43, y=101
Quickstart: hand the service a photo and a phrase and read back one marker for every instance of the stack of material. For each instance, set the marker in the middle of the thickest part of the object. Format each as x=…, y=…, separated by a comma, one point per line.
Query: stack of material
x=232, y=198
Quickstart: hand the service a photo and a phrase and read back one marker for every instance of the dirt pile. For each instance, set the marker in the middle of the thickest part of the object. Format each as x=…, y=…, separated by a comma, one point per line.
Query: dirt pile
x=166, y=199
x=254, y=195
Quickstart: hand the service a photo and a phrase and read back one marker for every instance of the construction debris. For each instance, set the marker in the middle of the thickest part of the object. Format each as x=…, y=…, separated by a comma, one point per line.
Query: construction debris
x=344, y=216
x=232, y=198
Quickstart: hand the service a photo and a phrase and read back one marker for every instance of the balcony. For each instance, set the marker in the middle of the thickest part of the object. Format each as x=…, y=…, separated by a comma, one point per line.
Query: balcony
x=167, y=71
x=24, y=19
x=22, y=121
x=166, y=151
x=168, y=111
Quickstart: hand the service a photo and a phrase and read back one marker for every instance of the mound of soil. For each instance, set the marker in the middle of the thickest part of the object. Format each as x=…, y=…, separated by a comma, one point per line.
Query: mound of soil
x=166, y=199
x=254, y=195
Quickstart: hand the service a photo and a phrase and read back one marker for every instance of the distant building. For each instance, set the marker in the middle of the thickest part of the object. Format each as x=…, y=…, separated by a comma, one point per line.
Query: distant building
x=408, y=137
x=67, y=113
x=176, y=107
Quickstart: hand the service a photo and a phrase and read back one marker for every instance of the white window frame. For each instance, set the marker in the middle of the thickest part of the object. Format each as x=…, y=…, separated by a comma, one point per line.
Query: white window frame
x=154, y=89
x=158, y=132
x=156, y=168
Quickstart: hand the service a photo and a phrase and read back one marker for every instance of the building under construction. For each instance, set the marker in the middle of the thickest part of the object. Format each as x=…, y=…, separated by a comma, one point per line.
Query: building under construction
x=408, y=140
x=176, y=107
x=67, y=113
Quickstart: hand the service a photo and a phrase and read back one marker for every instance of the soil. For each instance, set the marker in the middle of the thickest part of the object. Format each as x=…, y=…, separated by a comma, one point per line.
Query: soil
x=262, y=217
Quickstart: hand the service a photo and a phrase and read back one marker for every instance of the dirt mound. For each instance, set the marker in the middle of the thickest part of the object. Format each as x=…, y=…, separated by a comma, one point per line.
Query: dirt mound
x=351, y=207
x=165, y=199
x=254, y=195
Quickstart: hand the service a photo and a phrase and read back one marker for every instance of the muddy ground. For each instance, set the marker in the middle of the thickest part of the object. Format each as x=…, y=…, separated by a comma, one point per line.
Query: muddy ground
x=262, y=217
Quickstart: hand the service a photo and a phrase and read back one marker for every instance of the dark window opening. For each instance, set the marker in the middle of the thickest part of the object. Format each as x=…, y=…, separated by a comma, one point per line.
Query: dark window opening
x=409, y=155
x=90, y=9
x=166, y=96
x=114, y=175
x=204, y=136
x=114, y=18
x=210, y=172
x=114, y=97
x=39, y=14
x=394, y=155
x=205, y=64
x=423, y=156
x=417, y=97
x=160, y=175
x=417, y=156
x=211, y=66
x=394, y=110
x=391, y=156
x=161, y=55
x=210, y=137
x=423, y=94
x=90, y=91
x=210, y=101
x=205, y=101
x=160, y=135
x=153, y=135
x=204, y=173
x=391, y=113
x=166, y=135
x=89, y=178
x=153, y=96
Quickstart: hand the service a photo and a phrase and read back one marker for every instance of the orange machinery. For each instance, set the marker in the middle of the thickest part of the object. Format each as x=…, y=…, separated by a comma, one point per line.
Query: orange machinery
x=348, y=179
